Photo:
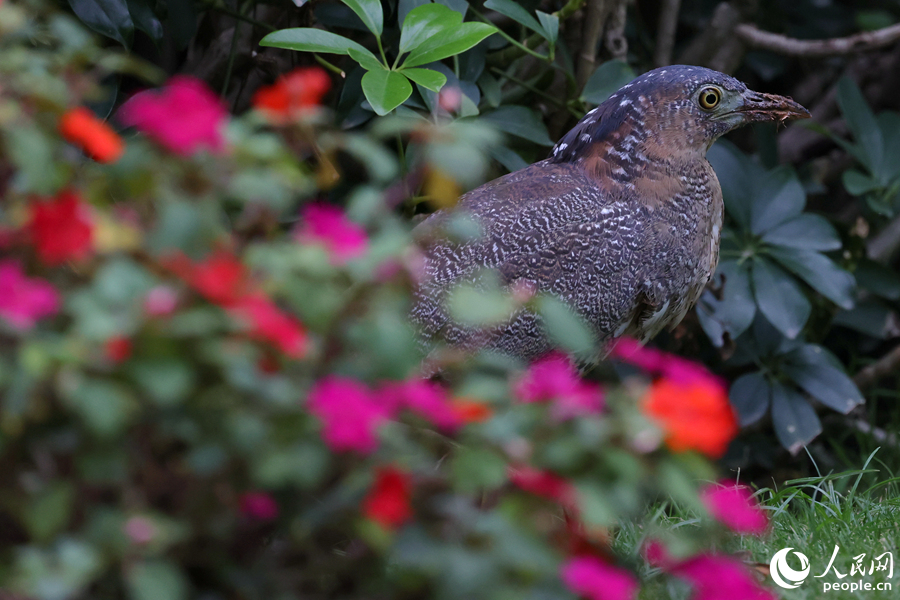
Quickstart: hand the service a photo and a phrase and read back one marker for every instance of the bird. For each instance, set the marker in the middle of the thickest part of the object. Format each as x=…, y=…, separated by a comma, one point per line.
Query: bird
x=621, y=222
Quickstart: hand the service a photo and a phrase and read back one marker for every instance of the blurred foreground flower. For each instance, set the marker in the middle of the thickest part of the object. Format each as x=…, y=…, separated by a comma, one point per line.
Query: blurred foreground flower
x=292, y=95
x=22, y=300
x=95, y=137
x=425, y=398
x=270, y=324
x=594, y=579
x=695, y=414
x=545, y=484
x=387, y=503
x=734, y=506
x=657, y=362
x=61, y=228
x=185, y=116
x=259, y=506
x=716, y=577
x=350, y=413
x=554, y=378
x=328, y=225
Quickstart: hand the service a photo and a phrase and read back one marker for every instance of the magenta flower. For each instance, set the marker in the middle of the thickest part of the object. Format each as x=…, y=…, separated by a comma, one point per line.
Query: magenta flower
x=592, y=578
x=734, y=506
x=715, y=577
x=554, y=378
x=185, y=116
x=656, y=362
x=425, y=398
x=259, y=506
x=350, y=413
x=328, y=225
x=22, y=300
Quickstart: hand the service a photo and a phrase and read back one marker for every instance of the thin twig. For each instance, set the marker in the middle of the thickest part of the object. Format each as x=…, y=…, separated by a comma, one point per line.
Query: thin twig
x=886, y=365
x=507, y=55
x=780, y=44
x=665, y=32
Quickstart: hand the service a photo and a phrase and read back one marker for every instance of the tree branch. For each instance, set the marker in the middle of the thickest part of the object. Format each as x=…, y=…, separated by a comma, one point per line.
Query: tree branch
x=665, y=36
x=780, y=44
x=886, y=365
x=594, y=22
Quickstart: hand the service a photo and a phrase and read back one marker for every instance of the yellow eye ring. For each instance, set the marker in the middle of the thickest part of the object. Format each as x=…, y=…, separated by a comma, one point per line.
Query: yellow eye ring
x=709, y=97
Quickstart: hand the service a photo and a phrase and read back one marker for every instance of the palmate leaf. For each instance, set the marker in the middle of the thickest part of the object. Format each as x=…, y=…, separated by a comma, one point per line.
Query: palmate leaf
x=734, y=313
x=606, y=79
x=520, y=121
x=819, y=272
x=424, y=22
x=427, y=78
x=308, y=39
x=862, y=123
x=807, y=231
x=751, y=395
x=795, y=421
x=449, y=42
x=107, y=17
x=736, y=175
x=778, y=196
x=779, y=298
x=517, y=13
x=818, y=372
x=369, y=12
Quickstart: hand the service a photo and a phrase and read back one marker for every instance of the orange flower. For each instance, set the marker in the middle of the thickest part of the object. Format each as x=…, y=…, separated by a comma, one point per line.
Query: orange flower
x=98, y=140
x=293, y=94
x=695, y=414
x=471, y=411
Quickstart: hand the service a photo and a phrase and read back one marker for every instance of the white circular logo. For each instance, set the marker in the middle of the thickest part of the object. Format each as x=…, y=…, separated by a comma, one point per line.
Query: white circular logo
x=784, y=575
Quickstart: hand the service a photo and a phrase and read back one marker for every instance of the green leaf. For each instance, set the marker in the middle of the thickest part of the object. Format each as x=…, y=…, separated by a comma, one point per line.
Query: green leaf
x=519, y=121
x=385, y=90
x=448, y=43
x=750, y=395
x=517, y=13
x=427, y=78
x=49, y=513
x=808, y=231
x=369, y=12
x=605, y=80
x=777, y=197
x=734, y=313
x=818, y=271
x=145, y=19
x=366, y=59
x=779, y=298
x=477, y=469
x=861, y=121
x=566, y=328
x=795, y=421
x=508, y=158
x=424, y=22
x=167, y=381
x=307, y=39
x=878, y=279
x=813, y=369
x=471, y=305
x=857, y=183
x=550, y=23
x=106, y=407
x=870, y=317
x=107, y=17
x=156, y=580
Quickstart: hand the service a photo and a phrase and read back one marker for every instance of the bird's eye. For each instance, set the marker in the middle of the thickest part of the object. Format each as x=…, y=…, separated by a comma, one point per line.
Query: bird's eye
x=709, y=97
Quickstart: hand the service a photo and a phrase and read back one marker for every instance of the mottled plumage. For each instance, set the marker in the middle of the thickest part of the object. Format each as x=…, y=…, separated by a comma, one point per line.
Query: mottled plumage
x=622, y=221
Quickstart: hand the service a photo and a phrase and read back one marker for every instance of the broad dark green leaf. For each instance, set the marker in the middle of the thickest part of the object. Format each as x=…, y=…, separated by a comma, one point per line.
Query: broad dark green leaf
x=404, y=7
x=458, y=6
x=428, y=78
x=156, y=580
x=385, y=90
x=796, y=423
x=517, y=13
x=478, y=470
x=145, y=19
x=858, y=183
x=734, y=313
x=777, y=197
x=750, y=395
x=871, y=317
x=107, y=17
x=605, y=80
x=369, y=12
x=736, y=175
x=550, y=23
x=566, y=328
x=779, y=298
x=889, y=123
x=829, y=386
x=808, y=231
x=366, y=60
x=818, y=271
x=878, y=279
x=454, y=41
x=424, y=22
x=861, y=121
x=307, y=39
x=519, y=121
x=508, y=158
x=106, y=407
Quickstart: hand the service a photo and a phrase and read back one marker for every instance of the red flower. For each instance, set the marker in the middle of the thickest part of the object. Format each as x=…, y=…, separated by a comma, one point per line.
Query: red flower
x=591, y=578
x=259, y=506
x=292, y=94
x=734, y=506
x=270, y=324
x=329, y=226
x=694, y=414
x=387, y=503
x=61, y=228
x=118, y=349
x=185, y=116
x=545, y=484
x=220, y=277
x=97, y=139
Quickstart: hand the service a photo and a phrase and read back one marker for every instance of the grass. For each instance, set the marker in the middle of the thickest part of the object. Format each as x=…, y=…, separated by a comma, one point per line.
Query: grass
x=858, y=511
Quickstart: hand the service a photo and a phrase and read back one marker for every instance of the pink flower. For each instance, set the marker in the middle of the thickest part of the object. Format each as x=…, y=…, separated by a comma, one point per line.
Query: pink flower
x=140, y=530
x=716, y=577
x=657, y=555
x=161, y=301
x=657, y=362
x=327, y=225
x=554, y=378
x=426, y=399
x=592, y=578
x=259, y=506
x=22, y=300
x=182, y=117
x=734, y=506
x=350, y=413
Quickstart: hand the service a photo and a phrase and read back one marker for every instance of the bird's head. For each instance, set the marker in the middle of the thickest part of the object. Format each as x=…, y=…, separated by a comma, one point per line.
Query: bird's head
x=672, y=109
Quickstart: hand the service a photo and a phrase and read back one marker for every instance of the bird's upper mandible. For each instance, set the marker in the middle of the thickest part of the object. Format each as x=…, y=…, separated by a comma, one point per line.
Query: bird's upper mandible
x=621, y=222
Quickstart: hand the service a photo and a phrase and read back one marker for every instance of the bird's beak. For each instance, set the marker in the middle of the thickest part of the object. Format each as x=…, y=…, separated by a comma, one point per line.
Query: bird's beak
x=769, y=107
